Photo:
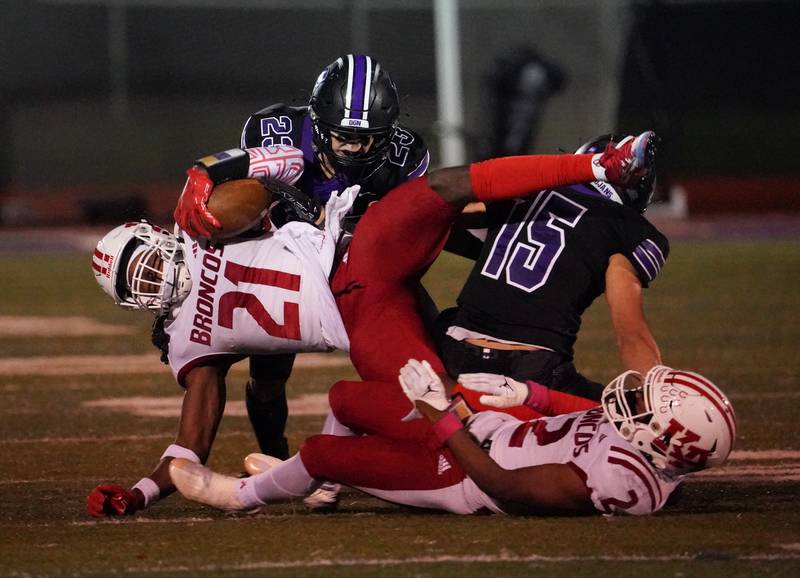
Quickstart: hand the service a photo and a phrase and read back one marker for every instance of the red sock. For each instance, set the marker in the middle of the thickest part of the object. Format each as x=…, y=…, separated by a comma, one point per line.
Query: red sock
x=512, y=177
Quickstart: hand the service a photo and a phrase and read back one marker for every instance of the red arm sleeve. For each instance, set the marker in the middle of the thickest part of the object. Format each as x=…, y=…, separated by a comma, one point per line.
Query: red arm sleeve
x=511, y=177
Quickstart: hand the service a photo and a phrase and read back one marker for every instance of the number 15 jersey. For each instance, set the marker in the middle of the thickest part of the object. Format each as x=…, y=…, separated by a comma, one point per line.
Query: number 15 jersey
x=544, y=261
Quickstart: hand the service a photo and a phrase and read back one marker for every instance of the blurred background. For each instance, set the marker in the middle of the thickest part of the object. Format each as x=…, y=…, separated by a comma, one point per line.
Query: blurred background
x=104, y=103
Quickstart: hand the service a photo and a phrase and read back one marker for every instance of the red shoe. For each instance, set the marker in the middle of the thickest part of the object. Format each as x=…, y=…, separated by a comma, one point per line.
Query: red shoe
x=630, y=161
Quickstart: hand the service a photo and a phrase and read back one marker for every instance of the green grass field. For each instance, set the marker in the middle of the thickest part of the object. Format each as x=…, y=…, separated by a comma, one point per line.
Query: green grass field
x=727, y=309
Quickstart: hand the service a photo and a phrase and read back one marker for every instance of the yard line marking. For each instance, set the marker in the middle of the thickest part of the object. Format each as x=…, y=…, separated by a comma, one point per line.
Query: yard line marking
x=127, y=364
x=765, y=455
x=776, y=473
x=216, y=569
x=308, y=404
x=127, y=438
x=765, y=395
x=75, y=326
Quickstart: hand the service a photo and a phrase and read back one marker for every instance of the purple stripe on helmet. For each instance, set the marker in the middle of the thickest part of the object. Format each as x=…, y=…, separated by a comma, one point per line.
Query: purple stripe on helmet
x=357, y=89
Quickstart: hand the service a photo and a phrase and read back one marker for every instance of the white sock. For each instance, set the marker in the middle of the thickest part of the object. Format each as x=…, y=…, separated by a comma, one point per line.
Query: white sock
x=335, y=428
x=597, y=169
x=283, y=482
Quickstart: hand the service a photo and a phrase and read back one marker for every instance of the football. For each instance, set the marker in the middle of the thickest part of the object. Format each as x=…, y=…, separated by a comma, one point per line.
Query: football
x=238, y=205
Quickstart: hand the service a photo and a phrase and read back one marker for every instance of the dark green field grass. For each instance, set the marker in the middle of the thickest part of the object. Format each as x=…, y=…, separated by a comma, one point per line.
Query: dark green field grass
x=727, y=309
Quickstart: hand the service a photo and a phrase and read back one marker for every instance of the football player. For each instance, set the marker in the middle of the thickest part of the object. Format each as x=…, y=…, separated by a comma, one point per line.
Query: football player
x=375, y=295
x=625, y=456
x=545, y=259
x=348, y=134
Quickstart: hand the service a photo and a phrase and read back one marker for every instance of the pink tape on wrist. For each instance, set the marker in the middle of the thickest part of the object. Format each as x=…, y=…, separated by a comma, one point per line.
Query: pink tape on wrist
x=538, y=397
x=446, y=427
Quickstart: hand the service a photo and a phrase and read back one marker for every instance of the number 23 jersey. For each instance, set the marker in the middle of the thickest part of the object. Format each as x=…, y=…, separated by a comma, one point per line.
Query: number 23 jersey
x=259, y=296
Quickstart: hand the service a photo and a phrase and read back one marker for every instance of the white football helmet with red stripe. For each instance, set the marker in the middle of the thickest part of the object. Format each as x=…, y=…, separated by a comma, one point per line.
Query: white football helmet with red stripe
x=678, y=419
x=141, y=266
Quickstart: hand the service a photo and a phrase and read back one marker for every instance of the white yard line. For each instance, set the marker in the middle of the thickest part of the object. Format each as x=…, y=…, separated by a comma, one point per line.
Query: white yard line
x=747, y=455
x=217, y=569
x=124, y=364
x=310, y=404
x=58, y=327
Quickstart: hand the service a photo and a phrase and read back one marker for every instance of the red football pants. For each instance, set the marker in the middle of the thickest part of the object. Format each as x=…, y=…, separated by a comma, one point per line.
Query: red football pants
x=393, y=455
x=396, y=241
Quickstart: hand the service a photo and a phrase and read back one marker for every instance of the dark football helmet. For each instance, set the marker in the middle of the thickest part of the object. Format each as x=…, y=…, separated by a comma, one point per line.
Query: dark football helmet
x=354, y=97
x=637, y=197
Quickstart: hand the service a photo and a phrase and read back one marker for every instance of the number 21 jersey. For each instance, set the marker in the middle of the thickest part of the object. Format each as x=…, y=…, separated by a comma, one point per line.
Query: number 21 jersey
x=258, y=296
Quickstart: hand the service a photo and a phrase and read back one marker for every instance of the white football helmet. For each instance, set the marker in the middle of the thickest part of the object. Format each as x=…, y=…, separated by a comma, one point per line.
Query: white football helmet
x=678, y=419
x=141, y=266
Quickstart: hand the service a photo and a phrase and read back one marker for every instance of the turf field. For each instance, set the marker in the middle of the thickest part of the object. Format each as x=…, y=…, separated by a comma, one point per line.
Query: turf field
x=67, y=422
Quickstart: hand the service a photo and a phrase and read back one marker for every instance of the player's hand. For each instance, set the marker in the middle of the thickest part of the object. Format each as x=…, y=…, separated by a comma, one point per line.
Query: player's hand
x=501, y=391
x=421, y=383
x=112, y=500
x=192, y=209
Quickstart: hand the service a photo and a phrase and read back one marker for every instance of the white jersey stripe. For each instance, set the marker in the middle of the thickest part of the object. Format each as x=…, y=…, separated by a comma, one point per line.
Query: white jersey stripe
x=654, y=246
x=650, y=277
x=650, y=258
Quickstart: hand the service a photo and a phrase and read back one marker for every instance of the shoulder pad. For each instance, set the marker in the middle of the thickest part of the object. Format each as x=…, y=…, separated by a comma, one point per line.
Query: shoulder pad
x=281, y=108
x=409, y=151
x=275, y=124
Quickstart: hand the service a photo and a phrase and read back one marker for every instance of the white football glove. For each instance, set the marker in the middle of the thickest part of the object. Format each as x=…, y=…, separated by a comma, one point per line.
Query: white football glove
x=502, y=391
x=419, y=381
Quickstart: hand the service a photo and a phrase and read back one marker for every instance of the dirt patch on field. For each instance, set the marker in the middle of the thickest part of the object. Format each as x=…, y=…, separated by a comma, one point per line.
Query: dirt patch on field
x=57, y=327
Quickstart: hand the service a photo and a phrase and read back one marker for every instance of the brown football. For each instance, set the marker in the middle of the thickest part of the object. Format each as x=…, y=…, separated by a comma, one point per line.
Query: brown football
x=238, y=205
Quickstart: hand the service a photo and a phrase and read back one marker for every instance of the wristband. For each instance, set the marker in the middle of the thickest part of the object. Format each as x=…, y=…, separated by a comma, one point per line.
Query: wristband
x=226, y=166
x=176, y=451
x=460, y=408
x=538, y=397
x=149, y=489
x=446, y=428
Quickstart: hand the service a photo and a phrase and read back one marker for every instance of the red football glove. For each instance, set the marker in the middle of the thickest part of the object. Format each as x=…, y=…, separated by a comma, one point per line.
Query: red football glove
x=111, y=500
x=192, y=213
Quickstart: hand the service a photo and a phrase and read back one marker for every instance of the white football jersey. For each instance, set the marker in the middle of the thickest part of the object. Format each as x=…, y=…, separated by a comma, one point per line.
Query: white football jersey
x=260, y=296
x=619, y=477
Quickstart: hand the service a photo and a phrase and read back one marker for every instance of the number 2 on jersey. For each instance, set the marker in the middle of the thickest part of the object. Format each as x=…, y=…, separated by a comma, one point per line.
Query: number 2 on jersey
x=233, y=300
x=530, y=242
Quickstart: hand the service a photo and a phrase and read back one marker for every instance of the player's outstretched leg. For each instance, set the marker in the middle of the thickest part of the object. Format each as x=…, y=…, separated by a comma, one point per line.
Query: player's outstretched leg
x=256, y=463
x=200, y=484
